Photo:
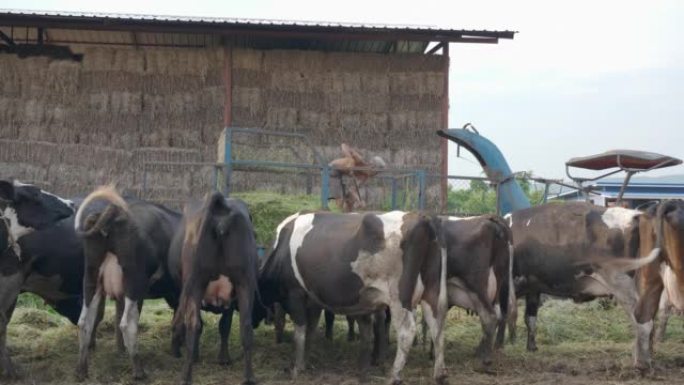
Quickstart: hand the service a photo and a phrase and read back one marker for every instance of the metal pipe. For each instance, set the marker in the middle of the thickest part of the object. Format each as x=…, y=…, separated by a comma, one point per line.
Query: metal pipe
x=624, y=187
x=325, y=185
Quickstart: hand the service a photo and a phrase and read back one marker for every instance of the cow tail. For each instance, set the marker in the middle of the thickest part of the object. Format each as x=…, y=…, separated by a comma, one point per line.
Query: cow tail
x=506, y=295
x=663, y=208
x=106, y=193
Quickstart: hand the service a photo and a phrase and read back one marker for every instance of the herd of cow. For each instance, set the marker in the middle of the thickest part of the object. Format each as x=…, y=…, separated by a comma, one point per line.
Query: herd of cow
x=376, y=268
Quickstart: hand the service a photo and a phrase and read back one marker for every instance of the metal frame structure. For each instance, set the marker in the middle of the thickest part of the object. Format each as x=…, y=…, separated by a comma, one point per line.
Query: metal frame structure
x=318, y=166
x=630, y=171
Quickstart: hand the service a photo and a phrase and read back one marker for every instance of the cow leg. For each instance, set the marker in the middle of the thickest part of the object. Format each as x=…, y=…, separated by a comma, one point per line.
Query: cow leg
x=532, y=302
x=644, y=315
x=351, y=336
x=488, y=319
x=224, y=330
x=313, y=315
x=129, y=329
x=380, y=341
x=435, y=321
x=664, y=313
x=512, y=321
x=98, y=319
x=329, y=324
x=119, y=335
x=86, y=325
x=190, y=323
x=245, y=295
x=9, y=290
x=365, y=334
x=195, y=347
x=298, y=314
x=404, y=323
x=278, y=322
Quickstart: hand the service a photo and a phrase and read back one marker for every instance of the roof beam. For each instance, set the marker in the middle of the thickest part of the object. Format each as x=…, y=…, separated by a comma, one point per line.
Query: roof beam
x=434, y=49
x=477, y=40
x=7, y=39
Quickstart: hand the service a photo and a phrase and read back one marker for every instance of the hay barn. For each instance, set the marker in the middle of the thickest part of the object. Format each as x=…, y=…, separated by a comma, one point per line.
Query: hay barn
x=87, y=99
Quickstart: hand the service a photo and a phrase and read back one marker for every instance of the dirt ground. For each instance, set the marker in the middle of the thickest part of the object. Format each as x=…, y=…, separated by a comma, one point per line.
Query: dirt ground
x=578, y=344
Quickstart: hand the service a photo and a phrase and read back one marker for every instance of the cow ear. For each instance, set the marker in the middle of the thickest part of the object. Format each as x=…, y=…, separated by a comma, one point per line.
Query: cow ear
x=7, y=192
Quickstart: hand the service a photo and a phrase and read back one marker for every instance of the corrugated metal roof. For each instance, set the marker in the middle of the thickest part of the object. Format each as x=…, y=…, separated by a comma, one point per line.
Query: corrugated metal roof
x=158, y=30
x=229, y=20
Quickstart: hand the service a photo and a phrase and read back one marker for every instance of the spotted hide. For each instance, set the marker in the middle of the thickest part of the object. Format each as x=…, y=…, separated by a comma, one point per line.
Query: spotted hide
x=213, y=256
x=356, y=264
x=25, y=210
x=662, y=230
x=580, y=251
x=125, y=247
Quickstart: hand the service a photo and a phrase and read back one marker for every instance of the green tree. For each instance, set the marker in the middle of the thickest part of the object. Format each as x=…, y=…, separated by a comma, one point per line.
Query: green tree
x=480, y=197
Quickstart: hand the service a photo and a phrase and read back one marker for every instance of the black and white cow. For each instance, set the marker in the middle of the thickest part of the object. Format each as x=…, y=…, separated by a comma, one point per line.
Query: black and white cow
x=24, y=210
x=479, y=263
x=357, y=264
x=126, y=248
x=580, y=251
x=213, y=256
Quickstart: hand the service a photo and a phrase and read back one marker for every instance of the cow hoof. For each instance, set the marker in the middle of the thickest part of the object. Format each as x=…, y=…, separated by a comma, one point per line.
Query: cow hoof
x=81, y=376
x=643, y=367
x=139, y=375
x=10, y=373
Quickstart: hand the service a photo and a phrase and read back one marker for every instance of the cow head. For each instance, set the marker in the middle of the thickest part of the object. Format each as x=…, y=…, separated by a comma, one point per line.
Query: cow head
x=25, y=208
x=669, y=227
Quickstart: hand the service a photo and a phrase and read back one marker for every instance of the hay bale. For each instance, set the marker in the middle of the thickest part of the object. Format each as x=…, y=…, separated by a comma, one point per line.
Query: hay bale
x=248, y=59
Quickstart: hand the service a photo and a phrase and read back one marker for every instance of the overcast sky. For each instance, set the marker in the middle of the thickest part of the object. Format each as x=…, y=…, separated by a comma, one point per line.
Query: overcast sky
x=580, y=77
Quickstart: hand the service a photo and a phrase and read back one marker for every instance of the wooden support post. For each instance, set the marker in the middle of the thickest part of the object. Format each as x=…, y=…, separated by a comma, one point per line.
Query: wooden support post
x=228, y=84
x=445, y=124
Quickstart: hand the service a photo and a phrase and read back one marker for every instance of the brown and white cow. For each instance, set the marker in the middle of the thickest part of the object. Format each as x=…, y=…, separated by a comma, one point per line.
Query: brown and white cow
x=580, y=251
x=479, y=260
x=214, y=255
x=356, y=264
x=661, y=229
x=125, y=247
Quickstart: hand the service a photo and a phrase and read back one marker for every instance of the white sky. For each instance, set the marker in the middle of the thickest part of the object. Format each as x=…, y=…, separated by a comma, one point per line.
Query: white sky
x=580, y=77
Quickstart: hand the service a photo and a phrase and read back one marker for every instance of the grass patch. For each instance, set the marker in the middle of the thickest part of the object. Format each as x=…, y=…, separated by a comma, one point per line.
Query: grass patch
x=268, y=209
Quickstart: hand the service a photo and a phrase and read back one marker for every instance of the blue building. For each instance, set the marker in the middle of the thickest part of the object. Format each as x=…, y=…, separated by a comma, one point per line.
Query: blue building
x=640, y=190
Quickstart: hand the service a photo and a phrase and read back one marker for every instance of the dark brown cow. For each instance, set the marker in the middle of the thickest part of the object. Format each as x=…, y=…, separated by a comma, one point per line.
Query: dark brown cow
x=661, y=230
x=580, y=251
x=125, y=248
x=218, y=264
x=356, y=264
x=479, y=256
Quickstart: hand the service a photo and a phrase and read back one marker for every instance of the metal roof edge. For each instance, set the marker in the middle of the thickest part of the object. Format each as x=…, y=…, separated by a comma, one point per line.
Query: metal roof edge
x=161, y=23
